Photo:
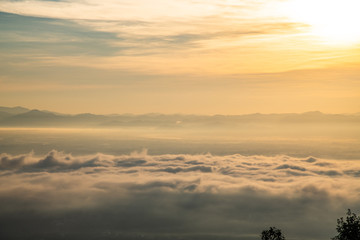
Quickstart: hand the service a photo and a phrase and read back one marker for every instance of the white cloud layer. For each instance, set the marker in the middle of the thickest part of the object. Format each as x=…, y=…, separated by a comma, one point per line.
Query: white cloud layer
x=163, y=196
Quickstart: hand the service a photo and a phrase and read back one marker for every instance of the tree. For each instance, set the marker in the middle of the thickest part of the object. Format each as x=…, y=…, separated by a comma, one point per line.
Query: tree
x=272, y=234
x=348, y=229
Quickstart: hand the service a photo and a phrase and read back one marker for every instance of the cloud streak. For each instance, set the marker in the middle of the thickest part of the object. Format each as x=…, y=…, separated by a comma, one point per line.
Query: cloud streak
x=142, y=9
x=163, y=196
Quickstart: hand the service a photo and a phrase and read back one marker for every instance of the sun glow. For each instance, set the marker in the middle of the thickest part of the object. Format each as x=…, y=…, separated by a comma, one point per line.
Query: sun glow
x=335, y=21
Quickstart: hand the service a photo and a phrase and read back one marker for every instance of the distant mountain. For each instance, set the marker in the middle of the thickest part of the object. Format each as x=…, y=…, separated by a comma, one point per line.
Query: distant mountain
x=10, y=111
x=37, y=118
x=13, y=110
x=31, y=118
x=36, y=114
x=4, y=115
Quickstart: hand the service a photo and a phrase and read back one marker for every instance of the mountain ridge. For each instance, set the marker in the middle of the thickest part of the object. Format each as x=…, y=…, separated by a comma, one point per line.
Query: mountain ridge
x=23, y=117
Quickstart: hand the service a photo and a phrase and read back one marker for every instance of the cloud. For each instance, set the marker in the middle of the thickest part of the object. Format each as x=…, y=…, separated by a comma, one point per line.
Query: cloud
x=33, y=36
x=7, y=162
x=133, y=37
x=286, y=166
x=110, y=9
x=134, y=45
x=172, y=196
x=190, y=169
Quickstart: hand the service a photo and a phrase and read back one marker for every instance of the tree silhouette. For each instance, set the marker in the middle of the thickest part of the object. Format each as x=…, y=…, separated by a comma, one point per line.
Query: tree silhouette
x=272, y=234
x=348, y=229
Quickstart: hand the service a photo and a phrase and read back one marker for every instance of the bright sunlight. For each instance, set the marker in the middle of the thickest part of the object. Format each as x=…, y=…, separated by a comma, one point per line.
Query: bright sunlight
x=334, y=21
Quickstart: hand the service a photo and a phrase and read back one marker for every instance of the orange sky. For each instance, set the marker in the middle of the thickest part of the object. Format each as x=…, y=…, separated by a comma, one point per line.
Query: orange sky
x=172, y=56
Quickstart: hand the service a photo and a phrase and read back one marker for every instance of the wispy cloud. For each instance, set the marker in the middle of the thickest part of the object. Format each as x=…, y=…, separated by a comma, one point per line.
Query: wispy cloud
x=125, y=9
x=188, y=37
x=50, y=37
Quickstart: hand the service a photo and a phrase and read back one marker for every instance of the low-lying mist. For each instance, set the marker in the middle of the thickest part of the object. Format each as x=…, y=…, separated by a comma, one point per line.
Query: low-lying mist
x=334, y=142
x=173, y=196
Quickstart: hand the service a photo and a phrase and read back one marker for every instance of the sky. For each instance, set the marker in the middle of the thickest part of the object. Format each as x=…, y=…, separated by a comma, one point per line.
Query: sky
x=180, y=56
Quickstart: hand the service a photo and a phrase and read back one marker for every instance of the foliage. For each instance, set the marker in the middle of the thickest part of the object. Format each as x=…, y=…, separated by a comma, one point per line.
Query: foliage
x=272, y=234
x=348, y=229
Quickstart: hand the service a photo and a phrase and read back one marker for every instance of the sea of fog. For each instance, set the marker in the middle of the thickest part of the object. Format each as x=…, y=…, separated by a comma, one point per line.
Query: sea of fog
x=158, y=183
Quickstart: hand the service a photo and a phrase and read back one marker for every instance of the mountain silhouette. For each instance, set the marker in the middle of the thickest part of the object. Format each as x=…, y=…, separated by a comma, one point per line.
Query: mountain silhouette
x=16, y=117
